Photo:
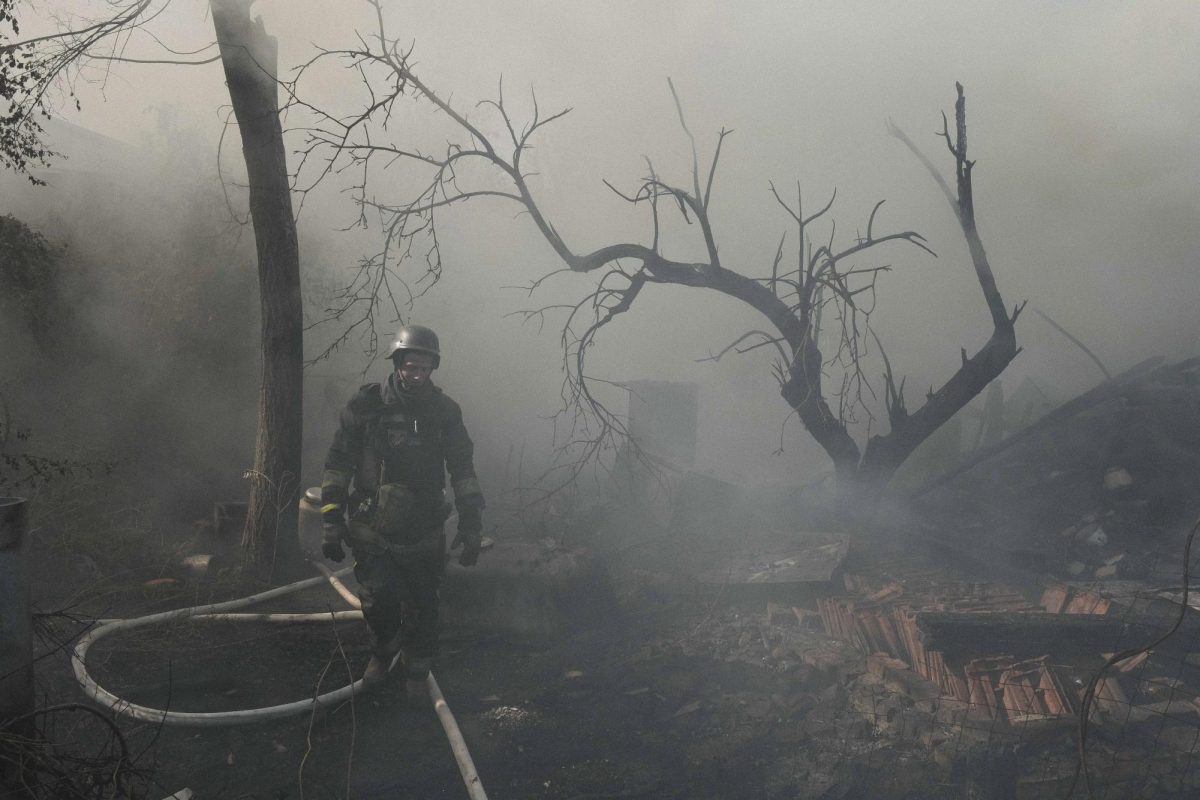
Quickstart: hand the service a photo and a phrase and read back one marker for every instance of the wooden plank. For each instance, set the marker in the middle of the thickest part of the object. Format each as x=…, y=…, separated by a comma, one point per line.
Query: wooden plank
x=1036, y=633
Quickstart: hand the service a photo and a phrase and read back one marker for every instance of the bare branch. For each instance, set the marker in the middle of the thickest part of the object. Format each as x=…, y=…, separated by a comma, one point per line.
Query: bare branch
x=175, y=62
x=1087, y=351
x=895, y=131
x=775, y=264
x=712, y=170
x=691, y=139
x=884, y=453
x=767, y=340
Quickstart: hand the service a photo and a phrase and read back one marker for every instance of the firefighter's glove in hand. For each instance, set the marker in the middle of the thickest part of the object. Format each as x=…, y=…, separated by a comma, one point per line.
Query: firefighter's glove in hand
x=470, y=530
x=331, y=544
x=470, y=551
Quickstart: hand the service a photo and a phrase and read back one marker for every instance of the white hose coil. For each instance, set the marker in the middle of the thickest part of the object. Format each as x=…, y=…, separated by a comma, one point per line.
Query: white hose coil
x=220, y=612
x=214, y=611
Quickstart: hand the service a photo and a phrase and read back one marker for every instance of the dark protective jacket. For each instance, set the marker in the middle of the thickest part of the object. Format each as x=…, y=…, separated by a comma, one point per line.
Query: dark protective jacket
x=405, y=441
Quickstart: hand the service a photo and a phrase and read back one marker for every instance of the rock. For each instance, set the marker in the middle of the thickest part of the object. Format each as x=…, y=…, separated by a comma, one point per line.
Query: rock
x=1116, y=478
x=1094, y=535
x=200, y=566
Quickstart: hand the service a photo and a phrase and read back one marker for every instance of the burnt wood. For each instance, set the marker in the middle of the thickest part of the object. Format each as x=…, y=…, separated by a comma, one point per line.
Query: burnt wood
x=1034, y=633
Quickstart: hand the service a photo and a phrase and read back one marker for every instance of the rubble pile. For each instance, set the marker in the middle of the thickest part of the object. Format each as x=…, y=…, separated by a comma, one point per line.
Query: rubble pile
x=960, y=702
x=992, y=639
x=883, y=620
x=1101, y=488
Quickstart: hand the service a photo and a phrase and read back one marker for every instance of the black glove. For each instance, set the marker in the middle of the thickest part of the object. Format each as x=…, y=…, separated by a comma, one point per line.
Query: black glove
x=331, y=544
x=470, y=530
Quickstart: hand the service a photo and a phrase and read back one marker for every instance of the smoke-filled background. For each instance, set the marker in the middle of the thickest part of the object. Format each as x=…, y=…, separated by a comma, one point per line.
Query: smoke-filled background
x=1083, y=120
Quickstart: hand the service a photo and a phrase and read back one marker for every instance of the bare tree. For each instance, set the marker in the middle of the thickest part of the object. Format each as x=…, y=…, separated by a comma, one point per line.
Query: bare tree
x=818, y=307
x=34, y=68
x=824, y=281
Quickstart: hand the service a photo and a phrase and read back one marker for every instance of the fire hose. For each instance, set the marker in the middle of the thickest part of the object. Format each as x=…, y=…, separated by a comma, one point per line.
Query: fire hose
x=226, y=612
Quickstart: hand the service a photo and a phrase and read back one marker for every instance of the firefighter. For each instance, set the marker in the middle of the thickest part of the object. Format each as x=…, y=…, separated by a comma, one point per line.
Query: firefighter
x=383, y=493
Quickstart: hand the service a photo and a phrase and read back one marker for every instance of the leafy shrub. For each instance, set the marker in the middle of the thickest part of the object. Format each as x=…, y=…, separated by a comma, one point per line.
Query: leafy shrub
x=30, y=274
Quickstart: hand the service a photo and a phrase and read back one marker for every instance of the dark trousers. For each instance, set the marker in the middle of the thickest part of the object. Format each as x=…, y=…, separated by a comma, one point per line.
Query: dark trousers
x=399, y=597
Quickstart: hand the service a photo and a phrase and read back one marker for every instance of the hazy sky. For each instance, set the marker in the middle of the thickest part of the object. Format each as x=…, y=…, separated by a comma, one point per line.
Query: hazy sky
x=1083, y=119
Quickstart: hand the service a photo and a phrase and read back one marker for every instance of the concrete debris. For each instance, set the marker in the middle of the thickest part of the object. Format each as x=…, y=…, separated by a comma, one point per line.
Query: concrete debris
x=508, y=718
x=1110, y=472
x=919, y=641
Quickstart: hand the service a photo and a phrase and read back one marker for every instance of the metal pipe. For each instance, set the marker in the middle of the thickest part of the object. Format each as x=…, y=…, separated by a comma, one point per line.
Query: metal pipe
x=16, y=626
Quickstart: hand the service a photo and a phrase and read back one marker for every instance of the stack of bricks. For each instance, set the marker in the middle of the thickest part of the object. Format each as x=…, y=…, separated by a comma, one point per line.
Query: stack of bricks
x=883, y=619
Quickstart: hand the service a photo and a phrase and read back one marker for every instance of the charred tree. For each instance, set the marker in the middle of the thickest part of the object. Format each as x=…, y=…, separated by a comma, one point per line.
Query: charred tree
x=823, y=374
x=885, y=453
x=249, y=57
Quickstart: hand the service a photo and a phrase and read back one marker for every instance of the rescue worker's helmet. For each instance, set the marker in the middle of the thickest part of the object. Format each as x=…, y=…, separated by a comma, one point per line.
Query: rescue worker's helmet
x=418, y=339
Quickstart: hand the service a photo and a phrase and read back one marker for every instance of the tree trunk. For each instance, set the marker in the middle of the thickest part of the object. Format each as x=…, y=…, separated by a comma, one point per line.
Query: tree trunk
x=249, y=57
x=862, y=483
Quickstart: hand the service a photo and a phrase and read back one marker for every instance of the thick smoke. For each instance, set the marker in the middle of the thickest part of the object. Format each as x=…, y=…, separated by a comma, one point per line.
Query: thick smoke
x=1081, y=119
x=154, y=368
